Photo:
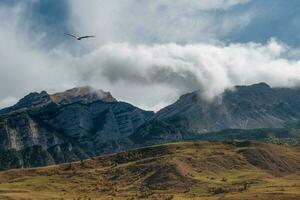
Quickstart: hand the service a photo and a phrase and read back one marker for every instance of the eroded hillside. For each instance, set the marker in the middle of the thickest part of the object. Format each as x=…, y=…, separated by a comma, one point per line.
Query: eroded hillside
x=190, y=170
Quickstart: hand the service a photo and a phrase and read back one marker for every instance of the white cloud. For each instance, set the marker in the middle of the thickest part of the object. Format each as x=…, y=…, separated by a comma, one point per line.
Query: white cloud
x=183, y=5
x=23, y=66
x=158, y=21
x=144, y=73
x=7, y=101
x=157, y=74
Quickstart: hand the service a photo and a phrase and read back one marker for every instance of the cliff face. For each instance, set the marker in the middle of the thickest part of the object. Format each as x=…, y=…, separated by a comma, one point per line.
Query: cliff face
x=67, y=126
x=245, y=107
x=82, y=122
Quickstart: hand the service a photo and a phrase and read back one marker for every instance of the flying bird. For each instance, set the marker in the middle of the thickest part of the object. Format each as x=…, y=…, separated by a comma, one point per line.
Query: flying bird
x=81, y=37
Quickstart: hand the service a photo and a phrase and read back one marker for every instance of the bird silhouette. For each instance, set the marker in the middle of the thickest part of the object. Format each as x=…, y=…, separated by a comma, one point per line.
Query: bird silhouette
x=79, y=37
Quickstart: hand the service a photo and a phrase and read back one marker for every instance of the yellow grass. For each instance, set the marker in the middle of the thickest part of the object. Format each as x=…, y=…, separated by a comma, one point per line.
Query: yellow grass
x=190, y=170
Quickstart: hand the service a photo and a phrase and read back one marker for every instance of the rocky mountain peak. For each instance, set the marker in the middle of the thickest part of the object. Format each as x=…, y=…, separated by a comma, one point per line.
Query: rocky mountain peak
x=33, y=99
x=255, y=88
x=84, y=94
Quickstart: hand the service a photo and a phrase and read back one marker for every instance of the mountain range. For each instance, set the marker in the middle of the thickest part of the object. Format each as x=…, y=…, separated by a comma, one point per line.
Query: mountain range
x=43, y=129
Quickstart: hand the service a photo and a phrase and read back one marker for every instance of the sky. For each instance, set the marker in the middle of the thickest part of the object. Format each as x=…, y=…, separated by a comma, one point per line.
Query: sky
x=147, y=53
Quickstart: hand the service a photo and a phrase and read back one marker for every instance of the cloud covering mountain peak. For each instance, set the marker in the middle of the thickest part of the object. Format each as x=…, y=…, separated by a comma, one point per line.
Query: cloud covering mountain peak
x=145, y=53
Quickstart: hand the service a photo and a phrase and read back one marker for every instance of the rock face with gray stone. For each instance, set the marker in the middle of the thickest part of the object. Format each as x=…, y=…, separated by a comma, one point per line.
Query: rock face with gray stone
x=72, y=125
x=244, y=107
x=43, y=129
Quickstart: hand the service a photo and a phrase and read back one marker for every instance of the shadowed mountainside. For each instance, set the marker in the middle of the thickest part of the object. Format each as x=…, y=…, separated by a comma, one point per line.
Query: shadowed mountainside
x=63, y=127
x=244, y=107
x=43, y=129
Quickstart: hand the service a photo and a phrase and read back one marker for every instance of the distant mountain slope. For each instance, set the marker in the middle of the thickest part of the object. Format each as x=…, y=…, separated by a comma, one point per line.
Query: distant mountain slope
x=245, y=107
x=66, y=126
x=43, y=129
x=193, y=170
x=84, y=94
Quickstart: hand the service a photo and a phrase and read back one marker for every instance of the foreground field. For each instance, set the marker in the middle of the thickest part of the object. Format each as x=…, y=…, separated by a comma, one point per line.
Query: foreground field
x=189, y=170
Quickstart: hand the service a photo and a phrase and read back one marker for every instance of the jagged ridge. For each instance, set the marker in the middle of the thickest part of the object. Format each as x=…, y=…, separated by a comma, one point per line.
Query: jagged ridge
x=92, y=122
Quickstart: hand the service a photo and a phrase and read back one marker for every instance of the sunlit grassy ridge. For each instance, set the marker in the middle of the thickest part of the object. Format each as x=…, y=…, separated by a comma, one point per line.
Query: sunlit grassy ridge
x=189, y=170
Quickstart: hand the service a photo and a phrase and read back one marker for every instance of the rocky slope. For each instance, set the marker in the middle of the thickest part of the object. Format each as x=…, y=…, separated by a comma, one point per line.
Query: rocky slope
x=44, y=128
x=245, y=107
x=66, y=126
